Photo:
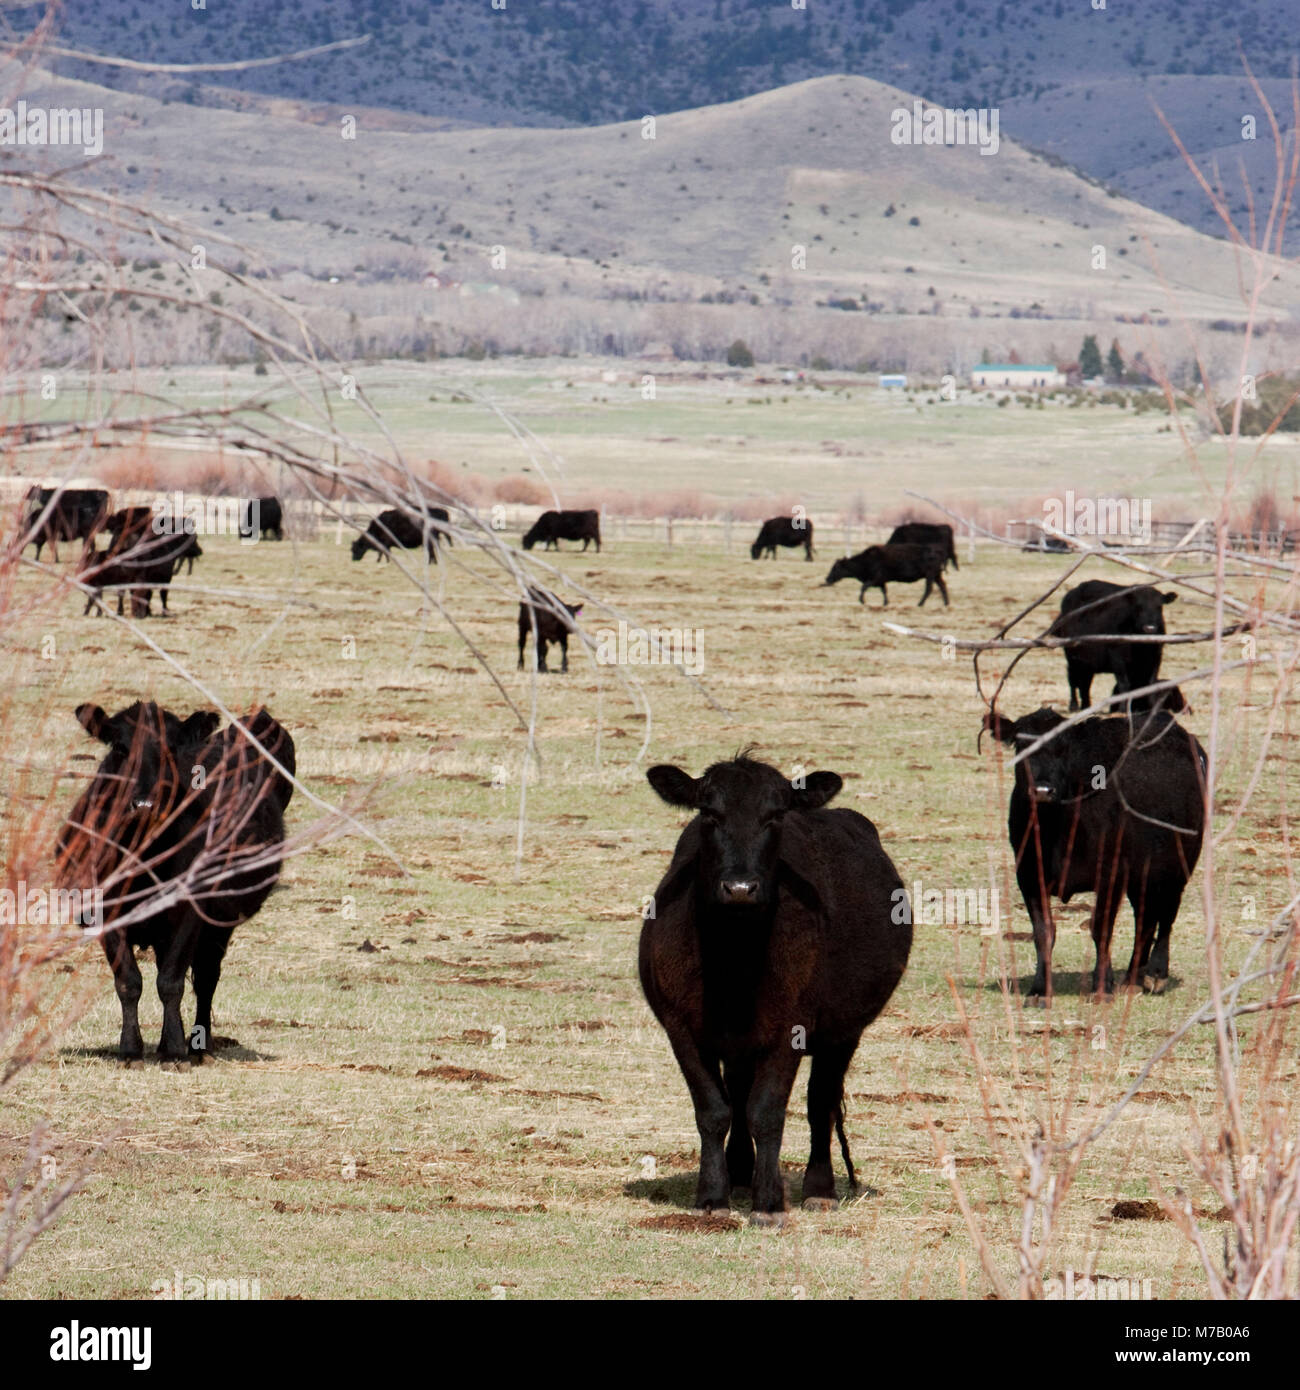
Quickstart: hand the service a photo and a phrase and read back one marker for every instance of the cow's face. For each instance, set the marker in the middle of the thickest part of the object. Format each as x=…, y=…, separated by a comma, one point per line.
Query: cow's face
x=742, y=805
x=147, y=745
x=1046, y=775
x=358, y=547
x=839, y=570
x=1150, y=605
x=756, y=549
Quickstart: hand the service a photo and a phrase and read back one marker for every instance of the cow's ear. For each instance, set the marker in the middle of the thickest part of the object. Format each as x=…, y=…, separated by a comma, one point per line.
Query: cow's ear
x=1004, y=730
x=93, y=719
x=1168, y=598
x=676, y=787
x=201, y=725
x=817, y=790
x=576, y=610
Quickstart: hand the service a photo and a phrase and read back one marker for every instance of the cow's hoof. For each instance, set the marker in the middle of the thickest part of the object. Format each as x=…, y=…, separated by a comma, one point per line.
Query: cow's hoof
x=176, y=1066
x=133, y=1063
x=1153, y=985
x=821, y=1204
x=713, y=1209
x=1036, y=1001
x=770, y=1220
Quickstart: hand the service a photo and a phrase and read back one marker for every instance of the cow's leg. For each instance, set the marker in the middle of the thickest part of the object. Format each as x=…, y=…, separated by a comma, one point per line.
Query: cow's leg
x=825, y=1099
x=1110, y=893
x=542, y=644
x=712, y=1117
x=208, y=955
x=943, y=589
x=807, y=549
x=1080, y=679
x=928, y=586
x=128, y=984
x=773, y=1079
x=564, y=651
x=1038, y=904
x=523, y=642
x=884, y=596
x=1155, y=969
x=174, y=958
x=739, y=1078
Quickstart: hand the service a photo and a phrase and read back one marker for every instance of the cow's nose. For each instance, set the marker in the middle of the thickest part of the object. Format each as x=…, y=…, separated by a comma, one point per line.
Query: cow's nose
x=739, y=890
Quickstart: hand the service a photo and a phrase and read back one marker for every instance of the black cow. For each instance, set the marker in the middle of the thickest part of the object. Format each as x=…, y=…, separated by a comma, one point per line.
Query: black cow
x=1112, y=806
x=395, y=527
x=927, y=533
x=62, y=514
x=879, y=565
x=132, y=529
x=260, y=516
x=1097, y=608
x=550, y=627
x=783, y=530
x=149, y=826
x=140, y=562
x=554, y=527
x=780, y=928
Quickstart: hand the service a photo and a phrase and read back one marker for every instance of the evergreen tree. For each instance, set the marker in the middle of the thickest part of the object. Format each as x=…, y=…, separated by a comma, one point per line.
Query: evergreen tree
x=1115, y=362
x=1089, y=358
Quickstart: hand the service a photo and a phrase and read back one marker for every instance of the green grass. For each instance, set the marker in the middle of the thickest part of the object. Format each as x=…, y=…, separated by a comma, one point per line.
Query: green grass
x=528, y=1174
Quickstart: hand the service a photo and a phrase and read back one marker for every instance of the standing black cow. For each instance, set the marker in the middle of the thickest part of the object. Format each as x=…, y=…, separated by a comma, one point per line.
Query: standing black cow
x=879, y=565
x=148, y=823
x=550, y=627
x=783, y=530
x=1110, y=806
x=1097, y=608
x=62, y=514
x=927, y=533
x=395, y=527
x=779, y=929
x=554, y=527
x=260, y=517
x=136, y=560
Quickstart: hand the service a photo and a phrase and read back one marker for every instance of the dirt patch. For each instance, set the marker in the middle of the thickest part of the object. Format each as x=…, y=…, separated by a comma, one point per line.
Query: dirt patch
x=450, y=1073
x=691, y=1221
x=531, y=938
x=1138, y=1211
x=933, y=1030
x=556, y=1095
x=902, y=1098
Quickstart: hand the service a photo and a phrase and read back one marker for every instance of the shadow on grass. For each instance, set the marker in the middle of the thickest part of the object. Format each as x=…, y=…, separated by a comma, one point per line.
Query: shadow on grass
x=1078, y=985
x=679, y=1190
x=224, y=1050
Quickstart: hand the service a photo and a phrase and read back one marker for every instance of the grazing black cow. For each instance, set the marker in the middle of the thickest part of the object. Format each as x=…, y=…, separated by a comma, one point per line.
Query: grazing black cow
x=879, y=565
x=140, y=562
x=62, y=514
x=554, y=527
x=395, y=527
x=260, y=516
x=128, y=525
x=1097, y=608
x=1110, y=806
x=783, y=530
x=927, y=533
x=779, y=929
x=149, y=823
x=550, y=627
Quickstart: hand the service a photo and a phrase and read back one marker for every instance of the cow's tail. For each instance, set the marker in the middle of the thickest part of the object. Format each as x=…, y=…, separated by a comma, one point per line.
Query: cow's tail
x=952, y=552
x=844, y=1143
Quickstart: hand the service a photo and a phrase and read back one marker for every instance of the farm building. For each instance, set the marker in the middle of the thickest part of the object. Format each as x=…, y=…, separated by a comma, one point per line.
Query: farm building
x=1018, y=375
x=894, y=379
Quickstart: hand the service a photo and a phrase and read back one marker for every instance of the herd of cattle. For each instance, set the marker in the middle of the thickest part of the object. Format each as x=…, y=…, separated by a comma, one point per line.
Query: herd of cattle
x=781, y=926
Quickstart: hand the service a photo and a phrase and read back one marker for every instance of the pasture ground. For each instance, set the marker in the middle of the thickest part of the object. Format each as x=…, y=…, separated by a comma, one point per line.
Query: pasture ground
x=483, y=1106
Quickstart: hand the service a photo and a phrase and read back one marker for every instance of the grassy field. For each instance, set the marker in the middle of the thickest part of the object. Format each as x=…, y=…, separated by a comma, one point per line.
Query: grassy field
x=833, y=446
x=444, y=1082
